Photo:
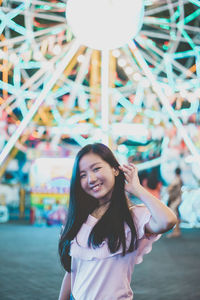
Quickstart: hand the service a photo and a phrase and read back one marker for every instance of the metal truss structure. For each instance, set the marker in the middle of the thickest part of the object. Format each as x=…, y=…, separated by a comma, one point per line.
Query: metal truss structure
x=51, y=83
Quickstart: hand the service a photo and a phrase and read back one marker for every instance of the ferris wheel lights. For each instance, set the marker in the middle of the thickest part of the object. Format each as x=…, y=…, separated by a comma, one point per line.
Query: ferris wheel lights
x=128, y=70
x=26, y=56
x=168, y=90
x=183, y=93
x=80, y=58
x=56, y=50
x=173, y=35
x=134, y=131
x=2, y=54
x=116, y=53
x=146, y=83
x=119, y=21
x=46, y=65
x=189, y=79
x=122, y=149
x=45, y=7
x=59, y=69
x=196, y=2
x=17, y=78
x=149, y=2
x=137, y=76
x=37, y=55
x=197, y=92
x=14, y=58
x=121, y=62
x=165, y=47
x=11, y=128
x=190, y=159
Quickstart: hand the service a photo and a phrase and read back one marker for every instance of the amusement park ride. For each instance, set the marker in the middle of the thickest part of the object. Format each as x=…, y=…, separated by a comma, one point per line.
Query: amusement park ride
x=123, y=72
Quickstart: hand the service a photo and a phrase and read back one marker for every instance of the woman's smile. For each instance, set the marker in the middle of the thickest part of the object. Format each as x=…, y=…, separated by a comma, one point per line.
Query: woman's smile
x=96, y=187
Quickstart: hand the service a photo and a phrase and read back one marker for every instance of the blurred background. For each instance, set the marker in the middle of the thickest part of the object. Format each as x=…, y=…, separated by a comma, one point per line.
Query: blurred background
x=76, y=72
x=57, y=95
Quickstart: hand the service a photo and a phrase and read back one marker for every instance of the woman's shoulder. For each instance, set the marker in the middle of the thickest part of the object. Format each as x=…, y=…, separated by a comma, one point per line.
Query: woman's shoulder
x=139, y=212
x=141, y=216
x=136, y=207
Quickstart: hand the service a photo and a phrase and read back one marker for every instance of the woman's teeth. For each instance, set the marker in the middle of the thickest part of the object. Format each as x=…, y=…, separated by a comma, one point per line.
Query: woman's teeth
x=96, y=188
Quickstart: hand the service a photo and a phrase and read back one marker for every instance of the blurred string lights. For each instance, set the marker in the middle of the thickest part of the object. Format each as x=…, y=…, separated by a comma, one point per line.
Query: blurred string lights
x=51, y=82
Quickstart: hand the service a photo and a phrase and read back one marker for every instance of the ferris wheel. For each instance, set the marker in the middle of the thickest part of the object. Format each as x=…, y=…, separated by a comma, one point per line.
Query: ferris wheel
x=53, y=79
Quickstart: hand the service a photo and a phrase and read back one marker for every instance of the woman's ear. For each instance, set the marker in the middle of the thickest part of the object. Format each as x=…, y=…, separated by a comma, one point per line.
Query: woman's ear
x=116, y=171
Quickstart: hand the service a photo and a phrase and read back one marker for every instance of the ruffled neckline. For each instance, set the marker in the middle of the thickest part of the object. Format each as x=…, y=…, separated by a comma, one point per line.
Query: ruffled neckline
x=79, y=245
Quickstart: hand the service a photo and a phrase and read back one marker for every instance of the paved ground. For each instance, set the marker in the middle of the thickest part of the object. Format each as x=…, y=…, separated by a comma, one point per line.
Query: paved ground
x=30, y=268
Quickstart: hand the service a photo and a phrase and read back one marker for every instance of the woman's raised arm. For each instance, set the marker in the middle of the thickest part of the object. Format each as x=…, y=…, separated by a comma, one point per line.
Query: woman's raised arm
x=162, y=217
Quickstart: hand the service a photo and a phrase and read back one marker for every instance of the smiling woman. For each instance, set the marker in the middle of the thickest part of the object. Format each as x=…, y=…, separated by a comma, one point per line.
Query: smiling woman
x=105, y=235
x=97, y=177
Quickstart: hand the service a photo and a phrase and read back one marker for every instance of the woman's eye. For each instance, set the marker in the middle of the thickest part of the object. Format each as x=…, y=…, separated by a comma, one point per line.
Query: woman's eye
x=96, y=169
x=82, y=176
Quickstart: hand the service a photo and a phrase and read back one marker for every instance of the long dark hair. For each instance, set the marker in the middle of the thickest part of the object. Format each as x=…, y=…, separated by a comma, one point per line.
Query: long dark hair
x=111, y=225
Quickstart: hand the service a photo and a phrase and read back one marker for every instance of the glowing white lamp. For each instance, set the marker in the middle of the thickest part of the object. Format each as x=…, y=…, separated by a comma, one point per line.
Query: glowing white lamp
x=105, y=24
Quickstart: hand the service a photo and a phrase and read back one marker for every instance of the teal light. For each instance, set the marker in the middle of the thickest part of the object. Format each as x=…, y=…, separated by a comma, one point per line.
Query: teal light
x=57, y=116
x=197, y=51
x=188, y=38
x=148, y=2
x=196, y=2
x=188, y=19
x=61, y=5
x=23, y=107
x=169, y=70
x=177, y=13
x=17, y=77
x=158, y=21
x=15, y=91
x=45, y=7
x=165, y=27
x=180, y=26
x=192, y=16
x=30, y=65
x=183, y=54
x=57, y=30
x=173, y=35
x=165, y=47
x=6, y=20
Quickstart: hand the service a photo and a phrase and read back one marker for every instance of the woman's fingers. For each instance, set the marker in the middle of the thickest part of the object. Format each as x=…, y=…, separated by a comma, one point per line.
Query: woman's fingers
x=128, y=171
x=128, y=168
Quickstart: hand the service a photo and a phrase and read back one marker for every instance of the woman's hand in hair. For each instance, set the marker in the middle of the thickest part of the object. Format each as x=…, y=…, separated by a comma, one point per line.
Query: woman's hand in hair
x=132, y=184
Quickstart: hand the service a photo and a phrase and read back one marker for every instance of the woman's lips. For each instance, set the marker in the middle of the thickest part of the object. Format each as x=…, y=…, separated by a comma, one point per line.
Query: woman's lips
x=96, y=187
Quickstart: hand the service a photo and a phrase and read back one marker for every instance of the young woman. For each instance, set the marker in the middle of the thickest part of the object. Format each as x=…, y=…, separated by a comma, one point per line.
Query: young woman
x=105, y=235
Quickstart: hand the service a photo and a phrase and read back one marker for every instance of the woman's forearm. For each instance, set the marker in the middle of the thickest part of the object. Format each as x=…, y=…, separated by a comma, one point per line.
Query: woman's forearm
x=65, y=290
x=163, y=218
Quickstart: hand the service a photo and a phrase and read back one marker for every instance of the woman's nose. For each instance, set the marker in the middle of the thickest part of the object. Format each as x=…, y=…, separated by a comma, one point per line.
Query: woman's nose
x=91, y=178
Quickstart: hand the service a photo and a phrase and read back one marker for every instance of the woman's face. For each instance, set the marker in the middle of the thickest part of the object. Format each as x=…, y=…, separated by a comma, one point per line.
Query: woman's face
x=97, y=177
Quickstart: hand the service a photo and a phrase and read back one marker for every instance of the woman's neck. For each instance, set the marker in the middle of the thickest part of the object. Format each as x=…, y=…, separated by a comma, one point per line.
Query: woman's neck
x=103, y=202
x=100, y=210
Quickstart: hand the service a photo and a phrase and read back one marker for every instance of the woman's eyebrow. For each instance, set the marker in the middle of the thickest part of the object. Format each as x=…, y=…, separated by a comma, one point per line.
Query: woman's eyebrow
x=81, y=171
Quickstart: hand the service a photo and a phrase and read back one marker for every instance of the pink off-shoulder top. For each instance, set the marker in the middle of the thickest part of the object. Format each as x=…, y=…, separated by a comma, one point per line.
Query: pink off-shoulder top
x=97, y=274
